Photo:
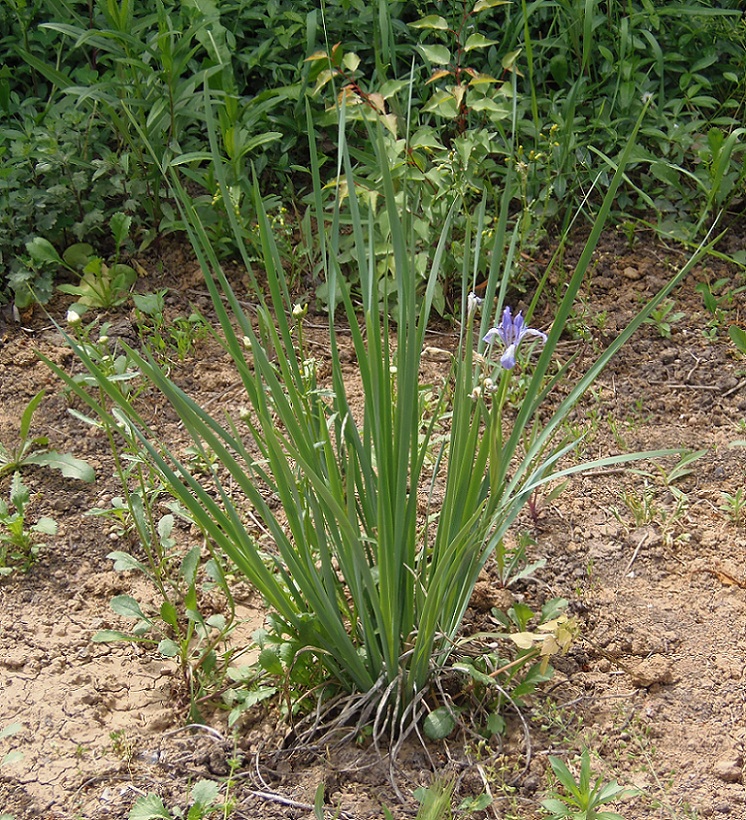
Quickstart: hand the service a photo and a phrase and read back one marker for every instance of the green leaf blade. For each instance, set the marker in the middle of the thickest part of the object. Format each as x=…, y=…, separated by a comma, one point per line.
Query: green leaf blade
x=68, y=465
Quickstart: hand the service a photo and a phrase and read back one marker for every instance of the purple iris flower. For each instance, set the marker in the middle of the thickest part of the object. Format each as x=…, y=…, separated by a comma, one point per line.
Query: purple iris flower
x=511, y=332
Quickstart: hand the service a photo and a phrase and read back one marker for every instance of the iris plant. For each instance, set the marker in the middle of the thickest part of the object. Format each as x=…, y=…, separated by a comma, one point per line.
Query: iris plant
x=357, y=585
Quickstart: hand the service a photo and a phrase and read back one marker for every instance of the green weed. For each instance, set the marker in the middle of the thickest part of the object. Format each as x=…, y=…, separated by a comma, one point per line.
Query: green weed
x=733, y=506
x=582, y=797
x=34, y=450
x=20, y=541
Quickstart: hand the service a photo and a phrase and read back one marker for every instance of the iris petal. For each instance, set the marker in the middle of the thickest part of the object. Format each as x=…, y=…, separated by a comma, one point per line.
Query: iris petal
x=518, y=330
x=507, y=360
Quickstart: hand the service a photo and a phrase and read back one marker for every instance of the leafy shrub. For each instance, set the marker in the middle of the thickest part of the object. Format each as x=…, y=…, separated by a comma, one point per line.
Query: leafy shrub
x=59, y=180
x=548, y=90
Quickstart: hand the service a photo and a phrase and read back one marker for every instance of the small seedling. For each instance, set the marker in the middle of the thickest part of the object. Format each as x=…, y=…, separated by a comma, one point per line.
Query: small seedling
x=734, y=506
x=581, y=800
x=202, y=459
x=646, y=508
x=81, y=751
x=669, y=477
x=681, y=468
x=104, y=353
x=167, y=337
x=510, y=561
x=177, y=628
x=629, y=229
x=435, y=800
x=34, y=450
x=663, y=317
x=718, y=298
x=246, y=692
x=518, y=664
x=615, y=427
x=19, y=544
x=121, y=745
x=642, y=504
x=204, y=799
x=14, y=756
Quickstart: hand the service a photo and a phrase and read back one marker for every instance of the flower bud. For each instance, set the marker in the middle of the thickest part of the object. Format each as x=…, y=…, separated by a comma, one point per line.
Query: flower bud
x=472, y=303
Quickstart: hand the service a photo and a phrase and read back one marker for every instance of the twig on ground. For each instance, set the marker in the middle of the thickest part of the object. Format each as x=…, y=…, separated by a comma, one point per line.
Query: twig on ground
x=636, y=552
x=683, y=386
x=735, y=389
x=295, y=804
x=199, y=727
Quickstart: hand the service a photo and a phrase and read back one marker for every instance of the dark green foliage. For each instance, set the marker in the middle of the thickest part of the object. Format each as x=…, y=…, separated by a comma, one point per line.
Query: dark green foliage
x=588, y=69
x=58, y=179
x=85, y=86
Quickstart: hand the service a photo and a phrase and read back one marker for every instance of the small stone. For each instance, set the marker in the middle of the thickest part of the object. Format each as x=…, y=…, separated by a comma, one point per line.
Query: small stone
x=149, y=757
x=531, y=784
x=88, y=696
x=653, y=670
x=729, y=769
x=56, y=666
x=487, y=596
x=728, y=383
x=631, y=273
x=13, y=660
x=160, y=720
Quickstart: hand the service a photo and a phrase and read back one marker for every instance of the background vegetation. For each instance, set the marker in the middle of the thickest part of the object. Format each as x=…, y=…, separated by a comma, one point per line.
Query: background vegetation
x=550, y=89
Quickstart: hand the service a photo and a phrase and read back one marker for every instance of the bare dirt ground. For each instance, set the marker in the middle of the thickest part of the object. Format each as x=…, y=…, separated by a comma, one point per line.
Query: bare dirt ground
x=657, y=578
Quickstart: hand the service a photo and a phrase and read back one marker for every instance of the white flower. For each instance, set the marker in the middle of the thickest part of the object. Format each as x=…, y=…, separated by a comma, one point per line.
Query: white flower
x=73, y=317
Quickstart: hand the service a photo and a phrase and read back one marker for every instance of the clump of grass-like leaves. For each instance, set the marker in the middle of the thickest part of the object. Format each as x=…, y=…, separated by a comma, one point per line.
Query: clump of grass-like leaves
x=355, y=578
